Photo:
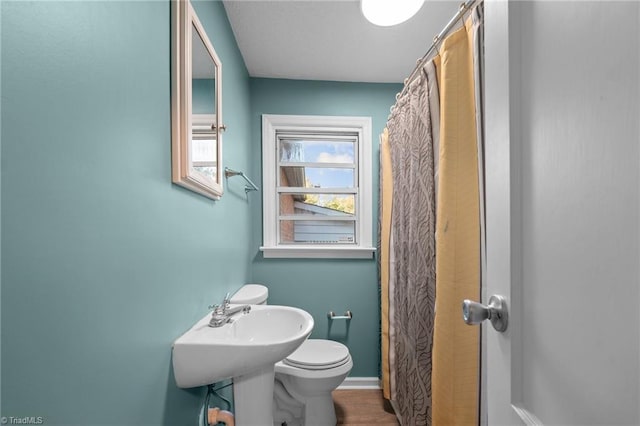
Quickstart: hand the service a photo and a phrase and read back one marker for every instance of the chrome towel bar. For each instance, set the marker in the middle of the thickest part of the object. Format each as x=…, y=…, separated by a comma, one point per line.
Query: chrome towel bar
x=250, y=187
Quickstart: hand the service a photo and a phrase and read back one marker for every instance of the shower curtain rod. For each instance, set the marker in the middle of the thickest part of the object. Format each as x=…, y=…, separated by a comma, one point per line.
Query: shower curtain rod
x=464, y=7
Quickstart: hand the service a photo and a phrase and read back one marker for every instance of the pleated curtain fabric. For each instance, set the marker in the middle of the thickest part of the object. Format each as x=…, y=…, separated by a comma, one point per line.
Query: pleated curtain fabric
x=455, y=376
x=384, y=246
x=412, y=248
x=430, y=224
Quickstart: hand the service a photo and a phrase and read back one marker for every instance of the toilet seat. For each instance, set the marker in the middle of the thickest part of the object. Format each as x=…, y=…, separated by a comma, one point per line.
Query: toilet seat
x=318, y=354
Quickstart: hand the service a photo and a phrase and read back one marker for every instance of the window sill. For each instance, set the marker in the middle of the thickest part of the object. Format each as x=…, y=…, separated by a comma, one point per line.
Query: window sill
x=314, y=252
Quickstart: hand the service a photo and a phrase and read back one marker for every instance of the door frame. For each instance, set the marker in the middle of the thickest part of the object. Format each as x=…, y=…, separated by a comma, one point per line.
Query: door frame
x=502, y=353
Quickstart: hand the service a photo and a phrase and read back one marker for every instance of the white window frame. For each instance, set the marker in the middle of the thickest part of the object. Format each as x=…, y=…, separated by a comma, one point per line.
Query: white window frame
x=271, y=125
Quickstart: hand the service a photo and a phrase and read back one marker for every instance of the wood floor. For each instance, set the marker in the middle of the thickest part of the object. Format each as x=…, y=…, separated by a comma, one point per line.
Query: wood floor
x=362, y=407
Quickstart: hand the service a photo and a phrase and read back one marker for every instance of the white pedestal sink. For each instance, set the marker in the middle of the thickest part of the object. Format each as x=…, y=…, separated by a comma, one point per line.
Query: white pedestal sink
x=246, y=349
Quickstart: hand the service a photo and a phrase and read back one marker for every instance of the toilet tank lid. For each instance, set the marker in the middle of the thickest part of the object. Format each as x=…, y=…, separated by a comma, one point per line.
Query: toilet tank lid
x=250, y=294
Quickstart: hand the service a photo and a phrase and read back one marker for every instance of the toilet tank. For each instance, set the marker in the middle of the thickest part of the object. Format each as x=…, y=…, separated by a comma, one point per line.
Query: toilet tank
x=250, y=294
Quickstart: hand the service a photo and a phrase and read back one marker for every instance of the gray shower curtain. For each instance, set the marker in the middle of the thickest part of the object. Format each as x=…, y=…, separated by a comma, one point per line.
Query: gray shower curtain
x=413, y=251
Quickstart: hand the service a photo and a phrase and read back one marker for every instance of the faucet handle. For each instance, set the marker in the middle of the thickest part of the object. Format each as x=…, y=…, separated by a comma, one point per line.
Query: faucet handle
x=217, y=309
x=226, y=302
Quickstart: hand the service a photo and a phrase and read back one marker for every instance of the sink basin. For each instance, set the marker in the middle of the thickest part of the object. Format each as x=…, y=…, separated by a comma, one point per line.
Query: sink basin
x=250, y=342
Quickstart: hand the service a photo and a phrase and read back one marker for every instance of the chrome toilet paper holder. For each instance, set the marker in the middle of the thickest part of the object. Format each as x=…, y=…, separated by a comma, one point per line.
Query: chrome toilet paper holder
x=347, y=316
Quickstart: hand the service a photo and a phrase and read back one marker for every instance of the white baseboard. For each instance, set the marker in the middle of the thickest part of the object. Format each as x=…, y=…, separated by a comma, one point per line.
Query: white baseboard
x=360, y=383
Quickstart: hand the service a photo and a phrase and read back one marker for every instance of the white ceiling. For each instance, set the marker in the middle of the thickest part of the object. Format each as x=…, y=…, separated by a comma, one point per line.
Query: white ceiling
x=331, y=40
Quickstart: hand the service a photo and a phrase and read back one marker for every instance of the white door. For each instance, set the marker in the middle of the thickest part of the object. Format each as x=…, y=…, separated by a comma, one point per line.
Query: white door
x=562, y=86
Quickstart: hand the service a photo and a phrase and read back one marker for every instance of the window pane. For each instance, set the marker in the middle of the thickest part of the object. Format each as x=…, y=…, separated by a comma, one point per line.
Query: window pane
x=210, y=172
x=317, y=151
x=317, y=232
x=203, y=155
x=318, y=204
x=317, y=177
x=203, y=150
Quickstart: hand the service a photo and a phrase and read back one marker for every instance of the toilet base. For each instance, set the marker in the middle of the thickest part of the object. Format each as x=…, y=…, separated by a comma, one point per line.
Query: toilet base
x=317, y=410
x=320, y=411
x=286, y=409
x=313, y=411
x=304, y=397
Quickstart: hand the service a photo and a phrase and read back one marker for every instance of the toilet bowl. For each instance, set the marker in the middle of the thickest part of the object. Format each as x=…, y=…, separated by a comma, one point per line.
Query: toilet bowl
x=305, y=379
x=309, y=375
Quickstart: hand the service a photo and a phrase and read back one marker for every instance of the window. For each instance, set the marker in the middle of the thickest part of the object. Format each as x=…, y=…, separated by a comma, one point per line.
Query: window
x=317, y=186
x=203, y=145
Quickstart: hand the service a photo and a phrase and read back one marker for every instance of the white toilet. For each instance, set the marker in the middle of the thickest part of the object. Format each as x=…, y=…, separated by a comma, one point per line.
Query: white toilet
x=305, y=379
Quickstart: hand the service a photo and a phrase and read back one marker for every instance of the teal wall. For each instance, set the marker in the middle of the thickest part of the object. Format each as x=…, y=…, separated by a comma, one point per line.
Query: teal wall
x=202, y=96
x=105, y=262
x=319, y=285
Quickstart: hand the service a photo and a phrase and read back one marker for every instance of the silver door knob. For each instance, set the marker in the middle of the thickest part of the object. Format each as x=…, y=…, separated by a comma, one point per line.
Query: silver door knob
x=474, y=313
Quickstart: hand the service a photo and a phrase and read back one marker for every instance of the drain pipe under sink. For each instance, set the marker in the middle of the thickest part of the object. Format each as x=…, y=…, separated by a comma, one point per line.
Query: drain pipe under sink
x=216, y=415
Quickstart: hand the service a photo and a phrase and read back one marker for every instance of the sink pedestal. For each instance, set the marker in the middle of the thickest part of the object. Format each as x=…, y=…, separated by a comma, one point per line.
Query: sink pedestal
x=253, y=397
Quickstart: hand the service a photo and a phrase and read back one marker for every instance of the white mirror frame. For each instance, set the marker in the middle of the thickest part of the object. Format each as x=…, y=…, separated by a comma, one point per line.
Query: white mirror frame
x=183, y=19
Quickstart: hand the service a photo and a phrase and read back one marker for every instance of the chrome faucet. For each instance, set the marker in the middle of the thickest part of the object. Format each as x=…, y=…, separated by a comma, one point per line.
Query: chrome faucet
x=222, y=313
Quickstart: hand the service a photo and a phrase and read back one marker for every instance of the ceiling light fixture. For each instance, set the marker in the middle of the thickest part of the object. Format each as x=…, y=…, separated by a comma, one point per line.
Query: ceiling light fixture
x=386, y=13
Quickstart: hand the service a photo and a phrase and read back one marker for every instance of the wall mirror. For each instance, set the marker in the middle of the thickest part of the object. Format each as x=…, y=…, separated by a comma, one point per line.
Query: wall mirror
x=196, y=101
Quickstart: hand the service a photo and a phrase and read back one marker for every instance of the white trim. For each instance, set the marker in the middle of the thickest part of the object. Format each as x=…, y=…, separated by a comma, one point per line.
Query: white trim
x=271, y=124
x=293, y=190
x=317, y=165
x=501, y=389
x=318, y=218
x=360, y=383
x=310, y=252
x=203, y=120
